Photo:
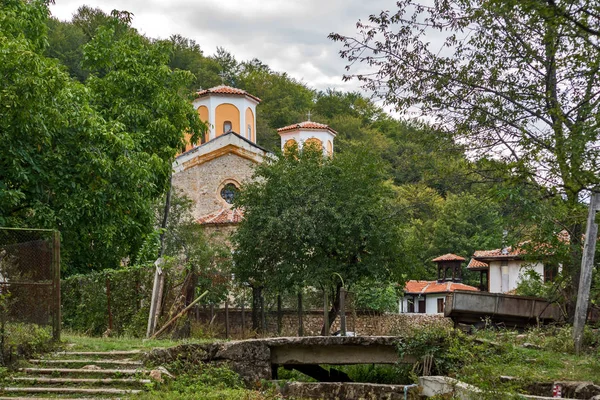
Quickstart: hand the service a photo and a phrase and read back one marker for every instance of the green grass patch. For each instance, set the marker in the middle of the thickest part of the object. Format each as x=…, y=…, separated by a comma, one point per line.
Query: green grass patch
x=78, y=342
x=536, y=356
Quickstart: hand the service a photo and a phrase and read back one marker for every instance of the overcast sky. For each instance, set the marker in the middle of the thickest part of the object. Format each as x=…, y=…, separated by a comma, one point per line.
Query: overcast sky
x=288, y=35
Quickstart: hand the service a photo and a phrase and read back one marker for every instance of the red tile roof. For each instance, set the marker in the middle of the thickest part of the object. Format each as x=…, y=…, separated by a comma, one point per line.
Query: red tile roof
x=306, y=125
x=448, y=257
x=498, y=253
x=477, y=264
x=222, y=89
x=222, y=216
x=429, y=287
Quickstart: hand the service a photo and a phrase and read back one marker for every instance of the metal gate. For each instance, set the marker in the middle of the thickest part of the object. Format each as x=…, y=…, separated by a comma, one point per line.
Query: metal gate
x=30, y=277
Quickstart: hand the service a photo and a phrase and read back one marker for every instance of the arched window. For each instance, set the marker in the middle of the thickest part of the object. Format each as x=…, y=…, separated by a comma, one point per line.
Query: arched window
x=229, y=192
x=329, y=147
x=314, y=143
x=227, y=126
x=249, y=132
x=289, y=145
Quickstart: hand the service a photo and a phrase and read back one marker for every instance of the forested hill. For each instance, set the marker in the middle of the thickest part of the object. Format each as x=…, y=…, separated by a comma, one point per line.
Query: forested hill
x=123, y=88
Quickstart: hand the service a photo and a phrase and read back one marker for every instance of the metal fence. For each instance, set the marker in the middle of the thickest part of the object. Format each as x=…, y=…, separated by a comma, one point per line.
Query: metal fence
x=30, y=278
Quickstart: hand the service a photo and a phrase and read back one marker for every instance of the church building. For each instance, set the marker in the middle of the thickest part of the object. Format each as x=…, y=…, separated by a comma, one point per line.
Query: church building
x=211, y=172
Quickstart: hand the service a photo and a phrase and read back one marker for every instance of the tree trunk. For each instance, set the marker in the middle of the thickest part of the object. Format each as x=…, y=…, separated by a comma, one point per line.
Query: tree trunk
x=256, y=320
x=335, y=307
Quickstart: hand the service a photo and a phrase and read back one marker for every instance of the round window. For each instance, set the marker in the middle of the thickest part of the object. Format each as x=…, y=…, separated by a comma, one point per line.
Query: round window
x=228, y=192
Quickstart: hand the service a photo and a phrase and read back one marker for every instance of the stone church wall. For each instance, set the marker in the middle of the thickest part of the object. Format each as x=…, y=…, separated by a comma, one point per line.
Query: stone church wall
x=203, y=183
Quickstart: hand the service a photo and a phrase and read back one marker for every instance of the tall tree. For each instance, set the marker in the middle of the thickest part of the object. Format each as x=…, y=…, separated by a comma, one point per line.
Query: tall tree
x=515, y=79
x=327, y=217
x=87, y=161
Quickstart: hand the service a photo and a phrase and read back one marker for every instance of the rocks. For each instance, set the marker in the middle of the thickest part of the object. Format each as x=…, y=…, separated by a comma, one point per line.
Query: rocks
x=528, y=345
x=579, y=390
x=347, y=391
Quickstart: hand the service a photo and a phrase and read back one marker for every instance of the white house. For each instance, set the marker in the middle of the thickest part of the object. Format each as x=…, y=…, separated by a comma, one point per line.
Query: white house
x=429, y=297
x=501, y=270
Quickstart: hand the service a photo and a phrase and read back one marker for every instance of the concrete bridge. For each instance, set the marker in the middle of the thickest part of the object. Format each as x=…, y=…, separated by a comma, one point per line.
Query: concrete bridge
x=257, y=359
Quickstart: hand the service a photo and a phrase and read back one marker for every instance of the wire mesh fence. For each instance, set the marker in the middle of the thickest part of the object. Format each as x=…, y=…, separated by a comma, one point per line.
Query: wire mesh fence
x=30, y=278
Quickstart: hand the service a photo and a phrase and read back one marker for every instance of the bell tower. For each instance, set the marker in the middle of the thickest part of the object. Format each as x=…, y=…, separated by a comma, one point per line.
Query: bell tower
x=308, y=132
x=449, y=268
x=226, y=109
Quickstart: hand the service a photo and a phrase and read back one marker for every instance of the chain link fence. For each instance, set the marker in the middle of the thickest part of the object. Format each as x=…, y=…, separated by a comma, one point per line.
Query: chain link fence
x=30, y=279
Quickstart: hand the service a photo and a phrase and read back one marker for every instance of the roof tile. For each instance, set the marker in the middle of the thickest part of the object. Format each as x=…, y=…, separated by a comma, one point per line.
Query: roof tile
x=306, y=125
x=222, y=216
x=429, y=287
x=477, y=264
x=448, y=257
x=223, y=89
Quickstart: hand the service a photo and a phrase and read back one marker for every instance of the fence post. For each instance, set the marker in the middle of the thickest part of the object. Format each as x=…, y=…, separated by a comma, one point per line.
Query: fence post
x=263, y=318
x=343, y=310
x=226, y=319
x=300, y=324
x=110, y=317
x=279, y=316
x=243, y=320
x=56, y=321
x=325, y=312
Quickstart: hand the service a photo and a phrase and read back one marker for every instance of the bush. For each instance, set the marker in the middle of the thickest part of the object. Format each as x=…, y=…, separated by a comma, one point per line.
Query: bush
x=85, y=300
x=22, y=340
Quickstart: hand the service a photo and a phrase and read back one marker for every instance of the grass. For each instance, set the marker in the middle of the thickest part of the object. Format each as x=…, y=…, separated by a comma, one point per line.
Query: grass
x=78, y=342
x=553, y=360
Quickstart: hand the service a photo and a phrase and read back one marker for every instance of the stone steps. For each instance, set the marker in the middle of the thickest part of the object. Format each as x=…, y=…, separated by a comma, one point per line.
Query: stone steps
x=60, y=381
x=82, y=371
x=88, y=361
x=84, y=374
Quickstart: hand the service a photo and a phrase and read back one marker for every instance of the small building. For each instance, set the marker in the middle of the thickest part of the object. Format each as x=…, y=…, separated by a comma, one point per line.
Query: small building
x=501, y=270
x=429, y=297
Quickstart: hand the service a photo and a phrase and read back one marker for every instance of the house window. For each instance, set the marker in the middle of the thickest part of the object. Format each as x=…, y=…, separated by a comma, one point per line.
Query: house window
x=550, y=272
x=227, y=126
x=422, y=307
x=440, y=305
x=249, y=132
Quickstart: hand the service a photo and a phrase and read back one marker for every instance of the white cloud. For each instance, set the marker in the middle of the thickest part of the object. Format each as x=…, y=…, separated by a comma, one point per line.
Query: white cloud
x=289, y=36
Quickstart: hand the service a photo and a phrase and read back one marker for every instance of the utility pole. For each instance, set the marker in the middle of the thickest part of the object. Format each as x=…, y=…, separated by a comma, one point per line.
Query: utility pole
x=587, y=265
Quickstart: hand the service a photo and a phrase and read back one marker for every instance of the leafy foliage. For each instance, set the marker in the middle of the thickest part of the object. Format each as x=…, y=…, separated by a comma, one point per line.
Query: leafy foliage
x=87, y=160
x=516, y=81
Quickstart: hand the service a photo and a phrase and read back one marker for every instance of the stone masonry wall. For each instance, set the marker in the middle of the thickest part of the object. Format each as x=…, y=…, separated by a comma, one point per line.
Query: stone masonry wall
x=363, y=323
x=202, y=183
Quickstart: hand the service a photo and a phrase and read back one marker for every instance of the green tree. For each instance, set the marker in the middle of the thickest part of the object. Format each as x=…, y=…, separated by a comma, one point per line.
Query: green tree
x=309, y=218
x=516, y=80
x=87, y=161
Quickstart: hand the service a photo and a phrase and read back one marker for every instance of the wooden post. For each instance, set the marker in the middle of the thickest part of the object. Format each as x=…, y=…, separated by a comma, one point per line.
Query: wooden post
x=325, y=312
x=263, y=318
x=279, y=316
x=56, y=316
x=300, y=324
x=585, y=277
x=175, y=318
x=156, y=295
x=110, y=317
x=243, y=320
x=226, y=319
x=343, y=310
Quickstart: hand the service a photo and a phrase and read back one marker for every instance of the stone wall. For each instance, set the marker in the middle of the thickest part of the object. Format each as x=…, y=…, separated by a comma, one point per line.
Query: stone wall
x=202, y=183
x=363, y=323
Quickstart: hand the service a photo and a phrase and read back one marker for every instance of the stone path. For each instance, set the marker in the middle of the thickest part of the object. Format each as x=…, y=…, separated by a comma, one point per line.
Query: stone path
x=84, y=375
